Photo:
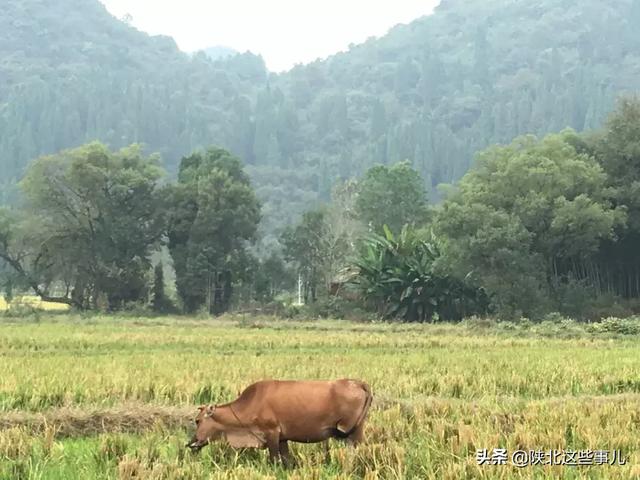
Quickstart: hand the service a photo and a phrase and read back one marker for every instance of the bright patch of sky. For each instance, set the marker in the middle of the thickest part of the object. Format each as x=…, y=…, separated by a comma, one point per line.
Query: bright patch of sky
x=284, y=32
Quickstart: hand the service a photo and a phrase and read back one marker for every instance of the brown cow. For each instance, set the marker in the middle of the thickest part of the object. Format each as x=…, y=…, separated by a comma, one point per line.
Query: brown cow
x=270, y=413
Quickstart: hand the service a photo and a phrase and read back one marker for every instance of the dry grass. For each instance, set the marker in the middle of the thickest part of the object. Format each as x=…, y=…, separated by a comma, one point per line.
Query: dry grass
x=114, y=398
x=32, y=302
x=83, y=422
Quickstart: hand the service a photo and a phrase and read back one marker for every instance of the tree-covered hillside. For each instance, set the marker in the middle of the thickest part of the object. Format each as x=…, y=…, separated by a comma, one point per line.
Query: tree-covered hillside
x=72, y=73
x=474, y=73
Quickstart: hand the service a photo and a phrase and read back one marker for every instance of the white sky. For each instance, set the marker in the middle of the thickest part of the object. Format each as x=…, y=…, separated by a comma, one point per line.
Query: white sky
x=284, y=32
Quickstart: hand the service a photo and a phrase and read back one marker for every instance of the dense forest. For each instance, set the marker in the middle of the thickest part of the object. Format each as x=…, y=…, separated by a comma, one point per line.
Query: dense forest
x=538, y=226
x=432, y=92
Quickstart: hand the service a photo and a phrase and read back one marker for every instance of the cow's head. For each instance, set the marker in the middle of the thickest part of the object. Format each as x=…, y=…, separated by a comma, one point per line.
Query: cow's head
x=207, y=428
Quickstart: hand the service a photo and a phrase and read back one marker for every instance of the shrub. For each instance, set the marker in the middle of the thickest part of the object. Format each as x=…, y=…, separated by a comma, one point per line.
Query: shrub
x=401, y=277
x=620, y=326
x=291, y=311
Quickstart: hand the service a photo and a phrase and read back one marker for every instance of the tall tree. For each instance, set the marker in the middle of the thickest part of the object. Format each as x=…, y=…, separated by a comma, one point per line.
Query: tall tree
x=529, y=215
x=90, y=220
x=306, y=245
x=617, y=148
x=214, y=214
x=159, y=301
x=392, y=196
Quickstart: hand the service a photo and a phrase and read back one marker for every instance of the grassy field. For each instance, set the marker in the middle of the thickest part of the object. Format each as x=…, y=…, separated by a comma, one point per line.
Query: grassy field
x=112, y=398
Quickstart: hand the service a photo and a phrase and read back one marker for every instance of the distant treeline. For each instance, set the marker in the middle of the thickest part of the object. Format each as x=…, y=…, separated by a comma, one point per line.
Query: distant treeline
x=537, y=226
x=90, y=220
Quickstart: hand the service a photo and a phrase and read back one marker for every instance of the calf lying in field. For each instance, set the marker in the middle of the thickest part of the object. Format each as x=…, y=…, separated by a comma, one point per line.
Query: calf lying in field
x=271, y=413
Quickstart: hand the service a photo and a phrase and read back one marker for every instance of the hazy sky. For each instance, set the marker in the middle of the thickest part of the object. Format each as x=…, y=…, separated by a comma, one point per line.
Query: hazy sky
x=285, y=32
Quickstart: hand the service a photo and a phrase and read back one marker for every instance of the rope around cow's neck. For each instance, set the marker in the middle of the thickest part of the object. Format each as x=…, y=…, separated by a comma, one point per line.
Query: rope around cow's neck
x=244, y=427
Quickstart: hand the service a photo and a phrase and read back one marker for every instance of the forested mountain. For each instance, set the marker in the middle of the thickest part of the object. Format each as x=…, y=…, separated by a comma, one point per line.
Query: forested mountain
x=476, y=72
x=70, y=72
x=219, y=52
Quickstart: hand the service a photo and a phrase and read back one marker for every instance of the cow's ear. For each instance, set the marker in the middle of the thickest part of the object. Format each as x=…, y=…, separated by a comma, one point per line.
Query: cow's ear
x=210, y=410
x=201, y=407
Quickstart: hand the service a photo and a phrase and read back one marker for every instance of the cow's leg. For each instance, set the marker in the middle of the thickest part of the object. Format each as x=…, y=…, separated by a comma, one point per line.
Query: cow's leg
x=357, y=436
x=327, y=451
x=273, y=444
x=284, y=453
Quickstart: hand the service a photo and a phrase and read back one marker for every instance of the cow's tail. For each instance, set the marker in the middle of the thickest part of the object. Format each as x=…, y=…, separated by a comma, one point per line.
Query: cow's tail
x=367, y=403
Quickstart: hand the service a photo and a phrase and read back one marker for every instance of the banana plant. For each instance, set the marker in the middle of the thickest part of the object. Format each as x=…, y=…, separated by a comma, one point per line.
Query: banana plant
x=396, y=275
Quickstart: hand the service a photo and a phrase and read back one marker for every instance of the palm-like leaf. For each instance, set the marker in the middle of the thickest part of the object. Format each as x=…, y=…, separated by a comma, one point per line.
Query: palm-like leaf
x=396, y=274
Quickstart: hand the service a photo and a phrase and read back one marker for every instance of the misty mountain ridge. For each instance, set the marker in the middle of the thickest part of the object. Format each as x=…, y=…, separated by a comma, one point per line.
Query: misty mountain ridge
x=219, y=52
x=434, y=91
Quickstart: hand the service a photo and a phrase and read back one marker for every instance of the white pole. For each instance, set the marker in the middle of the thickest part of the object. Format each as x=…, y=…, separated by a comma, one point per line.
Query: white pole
x=299, y=289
